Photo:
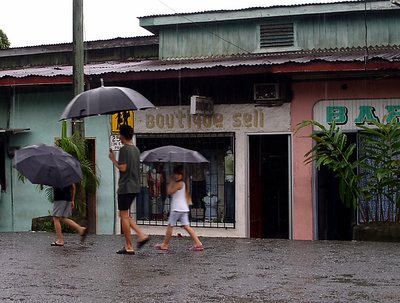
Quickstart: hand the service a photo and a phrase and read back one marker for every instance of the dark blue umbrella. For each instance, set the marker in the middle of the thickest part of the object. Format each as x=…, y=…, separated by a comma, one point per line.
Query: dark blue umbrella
x=47, y=165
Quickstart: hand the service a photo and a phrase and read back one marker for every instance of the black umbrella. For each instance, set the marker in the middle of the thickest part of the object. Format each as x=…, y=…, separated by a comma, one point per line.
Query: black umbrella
x=47, y=165
x=173, y=154
x=105, y=100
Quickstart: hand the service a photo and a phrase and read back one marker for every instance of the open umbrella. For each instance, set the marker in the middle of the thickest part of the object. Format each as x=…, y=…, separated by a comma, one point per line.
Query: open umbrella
x=171, y=153
x=47, y=165
x=105, y=100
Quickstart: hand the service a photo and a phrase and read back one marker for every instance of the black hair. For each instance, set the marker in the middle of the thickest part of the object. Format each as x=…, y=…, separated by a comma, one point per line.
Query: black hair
x=126, y=131
x=178, y=170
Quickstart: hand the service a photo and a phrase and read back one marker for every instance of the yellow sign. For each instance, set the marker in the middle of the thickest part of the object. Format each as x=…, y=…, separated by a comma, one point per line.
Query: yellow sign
x=121, y=118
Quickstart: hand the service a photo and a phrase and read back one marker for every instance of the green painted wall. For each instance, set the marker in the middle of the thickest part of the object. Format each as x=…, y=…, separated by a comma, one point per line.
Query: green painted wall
x=3, y=110
x=207, y=40
x=348, y=30
x=311, y=32
x=40, y=112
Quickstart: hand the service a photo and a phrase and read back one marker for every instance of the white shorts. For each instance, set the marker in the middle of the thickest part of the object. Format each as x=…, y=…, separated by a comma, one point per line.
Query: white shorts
x=176, y=216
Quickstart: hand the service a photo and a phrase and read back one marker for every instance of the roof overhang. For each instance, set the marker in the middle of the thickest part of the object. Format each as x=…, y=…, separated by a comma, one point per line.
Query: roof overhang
x=13, y=131
x=379, y=59
x=154, y=22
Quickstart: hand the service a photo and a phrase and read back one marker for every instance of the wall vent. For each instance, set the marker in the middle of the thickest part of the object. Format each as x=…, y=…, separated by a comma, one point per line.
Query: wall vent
x=276, y=35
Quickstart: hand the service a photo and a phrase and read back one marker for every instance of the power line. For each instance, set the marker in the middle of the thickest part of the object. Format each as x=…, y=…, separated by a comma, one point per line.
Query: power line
x=205, y=29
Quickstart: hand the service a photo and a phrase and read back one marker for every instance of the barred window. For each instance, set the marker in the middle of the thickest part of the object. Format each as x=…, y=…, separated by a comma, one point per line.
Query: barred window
x=212, y=184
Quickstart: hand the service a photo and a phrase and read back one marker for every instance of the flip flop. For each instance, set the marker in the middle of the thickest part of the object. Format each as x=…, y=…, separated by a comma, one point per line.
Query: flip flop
x=123, y=251
x=197, y=248
x=140, y=244
x=83, y=236
x=159, y=247
x=56, y=244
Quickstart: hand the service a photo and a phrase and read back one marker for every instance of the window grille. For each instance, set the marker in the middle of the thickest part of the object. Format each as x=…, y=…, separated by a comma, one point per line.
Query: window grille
x=213, y=199
x=276, y=35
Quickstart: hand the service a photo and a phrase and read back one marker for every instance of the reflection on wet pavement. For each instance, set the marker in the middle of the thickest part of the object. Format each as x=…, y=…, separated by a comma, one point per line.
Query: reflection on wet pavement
x=228, y=270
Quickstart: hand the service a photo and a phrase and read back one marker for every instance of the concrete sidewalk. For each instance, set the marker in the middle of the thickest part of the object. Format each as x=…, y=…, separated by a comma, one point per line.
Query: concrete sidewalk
x=229, y=270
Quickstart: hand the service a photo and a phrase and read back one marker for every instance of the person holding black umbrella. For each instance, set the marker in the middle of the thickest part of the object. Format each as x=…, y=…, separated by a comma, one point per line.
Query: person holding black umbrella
x=128, y=165
x=62, y=209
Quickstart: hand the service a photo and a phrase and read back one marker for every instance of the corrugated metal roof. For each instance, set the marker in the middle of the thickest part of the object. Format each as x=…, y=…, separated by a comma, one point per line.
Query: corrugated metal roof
x=88, y=45
x=388, y=54
x=252, y=8
x=154, y=23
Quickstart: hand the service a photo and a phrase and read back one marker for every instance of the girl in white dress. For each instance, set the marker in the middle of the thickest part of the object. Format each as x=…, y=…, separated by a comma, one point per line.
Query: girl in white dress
x=178, y=188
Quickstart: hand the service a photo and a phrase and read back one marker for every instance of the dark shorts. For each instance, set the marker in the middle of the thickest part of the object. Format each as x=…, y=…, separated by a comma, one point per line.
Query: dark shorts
x=125, y=201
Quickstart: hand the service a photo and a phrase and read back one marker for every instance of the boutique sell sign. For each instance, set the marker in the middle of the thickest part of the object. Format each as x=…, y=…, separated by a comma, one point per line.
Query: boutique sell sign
x=233, y=117
x=348, y=114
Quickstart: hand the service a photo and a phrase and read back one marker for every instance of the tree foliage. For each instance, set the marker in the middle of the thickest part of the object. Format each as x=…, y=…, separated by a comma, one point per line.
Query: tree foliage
x=4, y=42
x=371, y=180
x=333, y=152
x=77, y=147
x=380, y=162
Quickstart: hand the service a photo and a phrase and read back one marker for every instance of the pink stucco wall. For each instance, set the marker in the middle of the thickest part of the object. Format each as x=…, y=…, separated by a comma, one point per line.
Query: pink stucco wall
x=306, y=94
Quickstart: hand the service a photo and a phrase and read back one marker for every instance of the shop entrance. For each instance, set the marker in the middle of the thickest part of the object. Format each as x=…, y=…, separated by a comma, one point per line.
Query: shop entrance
x=269, y=186
x=335, y=220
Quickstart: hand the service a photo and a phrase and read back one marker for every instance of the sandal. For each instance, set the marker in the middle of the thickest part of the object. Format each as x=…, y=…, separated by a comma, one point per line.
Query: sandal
x=123, y=251
x=159, y=247
x=84, y=234
x=197, y=248
x=143, y=242
x=55, y=243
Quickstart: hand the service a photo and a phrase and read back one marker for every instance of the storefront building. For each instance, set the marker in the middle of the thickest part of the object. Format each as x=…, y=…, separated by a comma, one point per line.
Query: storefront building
x=262, y=76
x=228, y=137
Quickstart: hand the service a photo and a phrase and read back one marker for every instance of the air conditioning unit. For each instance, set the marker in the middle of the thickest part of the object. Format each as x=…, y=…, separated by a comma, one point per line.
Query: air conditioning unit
x=201, y=105
x=266, y=91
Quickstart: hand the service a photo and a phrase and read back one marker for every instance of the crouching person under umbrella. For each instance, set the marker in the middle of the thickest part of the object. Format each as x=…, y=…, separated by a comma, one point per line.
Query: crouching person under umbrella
x=62, y=210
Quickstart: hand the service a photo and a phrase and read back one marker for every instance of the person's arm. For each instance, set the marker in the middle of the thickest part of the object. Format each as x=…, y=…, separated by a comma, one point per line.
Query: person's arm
x=73, y=191
x=121, y=166
x=173, y=186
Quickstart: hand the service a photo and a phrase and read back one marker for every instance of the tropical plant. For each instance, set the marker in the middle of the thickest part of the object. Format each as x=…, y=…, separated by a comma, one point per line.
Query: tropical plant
x=4, y=42
x=373, y=180
x=77, y=147
x=333, y=151
x=380, y=162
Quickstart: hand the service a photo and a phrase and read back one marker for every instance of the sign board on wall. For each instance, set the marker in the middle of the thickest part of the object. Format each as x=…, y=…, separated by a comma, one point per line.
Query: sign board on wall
x=115, y=143
x=121, y=118
x=350, y=113
x=232, y=117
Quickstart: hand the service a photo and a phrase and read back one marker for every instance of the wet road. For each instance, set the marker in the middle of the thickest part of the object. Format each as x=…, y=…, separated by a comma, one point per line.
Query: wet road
x=229, y=270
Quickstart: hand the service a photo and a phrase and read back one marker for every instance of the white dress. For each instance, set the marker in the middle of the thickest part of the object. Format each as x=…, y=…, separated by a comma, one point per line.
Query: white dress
x=178, y=202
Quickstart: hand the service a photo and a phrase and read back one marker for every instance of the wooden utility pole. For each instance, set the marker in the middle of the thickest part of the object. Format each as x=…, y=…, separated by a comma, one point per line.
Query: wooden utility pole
x=78, y=51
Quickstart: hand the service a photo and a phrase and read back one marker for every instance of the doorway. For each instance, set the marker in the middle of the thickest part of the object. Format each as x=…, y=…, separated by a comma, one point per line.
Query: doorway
x=91, y=207
x=269, y=172
x=335, y=220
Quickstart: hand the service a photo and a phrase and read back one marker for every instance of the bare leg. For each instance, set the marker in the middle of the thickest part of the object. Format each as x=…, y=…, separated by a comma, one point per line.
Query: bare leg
x=126, y=229
x=57, y=227
x=79, y=229
x=141, y=236
x=167, y=237
x=193, y=235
